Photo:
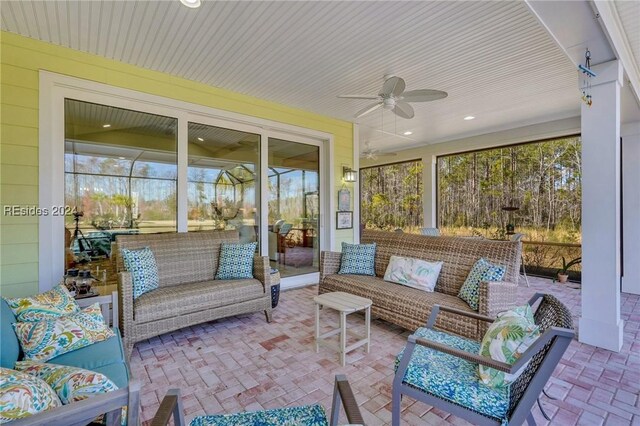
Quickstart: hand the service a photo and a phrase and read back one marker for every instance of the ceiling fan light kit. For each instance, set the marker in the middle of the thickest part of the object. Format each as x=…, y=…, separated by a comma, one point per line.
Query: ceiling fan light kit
x=393, y=97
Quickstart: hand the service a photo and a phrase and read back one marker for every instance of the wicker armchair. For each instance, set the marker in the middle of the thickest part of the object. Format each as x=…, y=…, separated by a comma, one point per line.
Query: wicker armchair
x=465, y=396
x=308, y=415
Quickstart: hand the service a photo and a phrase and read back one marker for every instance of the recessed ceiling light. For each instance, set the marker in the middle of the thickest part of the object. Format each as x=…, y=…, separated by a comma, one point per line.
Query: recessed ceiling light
x=201, y=140
x=408, y=132
x=106, y=125
x=469, y=117
x=191, y=3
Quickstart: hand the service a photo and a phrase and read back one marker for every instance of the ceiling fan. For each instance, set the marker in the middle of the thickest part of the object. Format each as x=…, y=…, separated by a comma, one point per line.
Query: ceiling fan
x=372, y=153
x=393, y=97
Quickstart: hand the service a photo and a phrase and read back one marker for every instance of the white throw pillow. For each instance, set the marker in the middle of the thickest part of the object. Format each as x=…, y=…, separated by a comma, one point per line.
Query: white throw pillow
x=412, y=272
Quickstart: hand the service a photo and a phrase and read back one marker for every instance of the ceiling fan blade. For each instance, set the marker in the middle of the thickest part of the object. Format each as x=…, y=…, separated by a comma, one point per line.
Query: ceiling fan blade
x=393, y=86
x=386, y=154
x=366, y=110
x=423, y=95
x=358, y=97
x=404, y=110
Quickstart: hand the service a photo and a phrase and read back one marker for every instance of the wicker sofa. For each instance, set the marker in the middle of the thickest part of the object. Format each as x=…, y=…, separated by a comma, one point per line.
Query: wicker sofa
x=410, y=308
x=187, y=292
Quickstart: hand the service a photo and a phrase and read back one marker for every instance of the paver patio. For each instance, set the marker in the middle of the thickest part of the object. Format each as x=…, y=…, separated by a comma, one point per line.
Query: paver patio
x=244, y=363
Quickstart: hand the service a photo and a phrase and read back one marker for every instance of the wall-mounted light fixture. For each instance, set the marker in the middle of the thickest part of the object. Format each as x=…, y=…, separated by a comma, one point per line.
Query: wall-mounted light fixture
x=349, y=175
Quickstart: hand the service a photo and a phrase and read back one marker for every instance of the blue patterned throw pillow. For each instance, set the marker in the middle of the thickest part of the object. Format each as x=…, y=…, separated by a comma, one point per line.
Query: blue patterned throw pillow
x=358, y=259
x=142, y=265
x=483, y=270
x=236, y=261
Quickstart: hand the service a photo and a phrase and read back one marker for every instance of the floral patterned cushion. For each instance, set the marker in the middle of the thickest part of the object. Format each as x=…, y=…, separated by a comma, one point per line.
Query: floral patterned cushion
x=52, y=304
x=43, y=340
x=506, y=340
x=451, y=378
x=70, y=383
x=481, y=271
x=23, y=395
x=308, y=415
x=236, y=261
x=412, y=272
x=358, y=259
x=142, y=265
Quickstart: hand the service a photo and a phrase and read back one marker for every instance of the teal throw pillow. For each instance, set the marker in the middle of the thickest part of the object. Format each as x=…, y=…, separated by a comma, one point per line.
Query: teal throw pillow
x=142, y=265
x=236, y=261
x=483, y=270
x=358, y=259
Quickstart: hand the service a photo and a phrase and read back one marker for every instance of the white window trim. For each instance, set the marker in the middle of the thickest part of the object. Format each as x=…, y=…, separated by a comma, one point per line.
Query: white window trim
x=55, y=88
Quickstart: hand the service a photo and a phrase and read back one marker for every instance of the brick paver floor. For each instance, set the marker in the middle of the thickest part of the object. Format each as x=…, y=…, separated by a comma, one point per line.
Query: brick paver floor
x=244, y=363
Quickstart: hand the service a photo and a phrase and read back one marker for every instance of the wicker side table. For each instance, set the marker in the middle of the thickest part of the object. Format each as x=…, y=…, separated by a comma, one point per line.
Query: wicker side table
x=275, y=287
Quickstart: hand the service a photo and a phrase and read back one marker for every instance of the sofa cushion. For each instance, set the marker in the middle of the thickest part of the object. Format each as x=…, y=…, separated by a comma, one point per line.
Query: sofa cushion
x=451, y=378
x=22, y=395
x=181, y=299
x=44, y=340
x=412, y=272
x=144, y=270
x=118, y=373
x=94, y=356
x=404, y=301
x=358, y=259
x=49, y=305
x=482, y=271
x=70, y=383
x=236, y=261
x=10, y=345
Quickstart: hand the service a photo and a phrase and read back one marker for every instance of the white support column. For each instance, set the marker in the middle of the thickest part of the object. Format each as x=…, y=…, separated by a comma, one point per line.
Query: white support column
x=429, y=192
x=631, y=207
x=600, y=323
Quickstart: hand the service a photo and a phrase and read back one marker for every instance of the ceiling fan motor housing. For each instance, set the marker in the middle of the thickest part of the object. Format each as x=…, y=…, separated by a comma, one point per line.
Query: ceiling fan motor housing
x=388, y=103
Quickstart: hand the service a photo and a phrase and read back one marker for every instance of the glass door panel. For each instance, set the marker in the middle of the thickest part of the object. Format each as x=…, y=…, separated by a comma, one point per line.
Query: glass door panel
x=294, y=206
x=223, y=180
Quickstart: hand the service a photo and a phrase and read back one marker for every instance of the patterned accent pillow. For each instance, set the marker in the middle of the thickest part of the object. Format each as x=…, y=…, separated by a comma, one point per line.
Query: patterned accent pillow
x=507, y=338
x=142, y=265
x=358, y=259
x=43, y=340
x=482, y=271
x=70, y=383
x=236, y=261
x=52, y=304
x=416, y=273
x=23, y=395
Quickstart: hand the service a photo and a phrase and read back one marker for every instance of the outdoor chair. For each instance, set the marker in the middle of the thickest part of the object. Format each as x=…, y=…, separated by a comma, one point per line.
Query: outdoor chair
x=440, y=369
x=307, y=415
x=433, y=232
x=519, y=237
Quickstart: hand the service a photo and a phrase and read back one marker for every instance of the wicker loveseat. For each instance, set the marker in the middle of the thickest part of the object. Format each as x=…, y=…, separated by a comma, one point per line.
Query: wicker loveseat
x=187, y=294
x=410, y=308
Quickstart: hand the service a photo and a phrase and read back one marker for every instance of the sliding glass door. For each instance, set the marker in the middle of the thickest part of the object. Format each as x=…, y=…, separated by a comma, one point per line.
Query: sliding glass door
x=294, y=206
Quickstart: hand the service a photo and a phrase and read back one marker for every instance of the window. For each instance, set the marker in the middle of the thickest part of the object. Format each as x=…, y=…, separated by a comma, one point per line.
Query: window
x=532, y=188
x=391, y=196
x=120, y=175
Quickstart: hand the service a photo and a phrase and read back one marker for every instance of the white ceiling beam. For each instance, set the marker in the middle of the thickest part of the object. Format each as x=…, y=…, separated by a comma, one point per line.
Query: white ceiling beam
x=614, y=30
x=576, y=26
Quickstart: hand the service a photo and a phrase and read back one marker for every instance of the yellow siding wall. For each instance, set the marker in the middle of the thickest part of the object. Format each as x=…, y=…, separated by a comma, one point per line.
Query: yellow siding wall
x=21, y=58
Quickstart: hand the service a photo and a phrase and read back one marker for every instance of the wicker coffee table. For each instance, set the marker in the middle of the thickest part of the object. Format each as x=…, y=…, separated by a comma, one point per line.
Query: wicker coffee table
x=345, y=304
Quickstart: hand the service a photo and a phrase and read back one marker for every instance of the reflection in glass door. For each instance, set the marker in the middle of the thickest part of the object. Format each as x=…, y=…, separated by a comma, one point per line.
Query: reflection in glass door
x=223, y=183
x=294, y=207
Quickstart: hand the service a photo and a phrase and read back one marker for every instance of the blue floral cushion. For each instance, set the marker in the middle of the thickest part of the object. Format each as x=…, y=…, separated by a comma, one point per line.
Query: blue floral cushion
x=451, y=378
x=236, y=261
x=52, y=304
x=142, y=265
x=358, y=259
x=482, y=271
x=308, y=415
x=23, y=395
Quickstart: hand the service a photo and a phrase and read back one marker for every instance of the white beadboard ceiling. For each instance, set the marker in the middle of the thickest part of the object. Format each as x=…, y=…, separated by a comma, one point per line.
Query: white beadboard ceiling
x=493, y=58
x=629, y=13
